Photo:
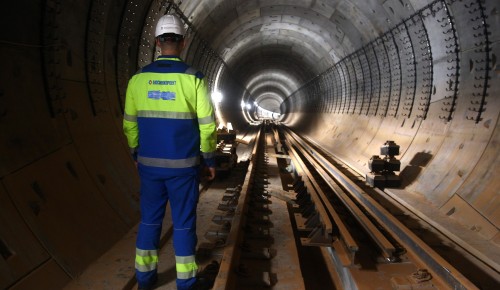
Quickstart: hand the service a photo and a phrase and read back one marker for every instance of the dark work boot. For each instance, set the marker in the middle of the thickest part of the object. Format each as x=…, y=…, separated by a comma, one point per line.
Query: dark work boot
x=205, y=279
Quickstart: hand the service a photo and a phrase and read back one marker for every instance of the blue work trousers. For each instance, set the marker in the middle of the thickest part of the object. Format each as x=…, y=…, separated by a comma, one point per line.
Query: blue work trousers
x=157, y=190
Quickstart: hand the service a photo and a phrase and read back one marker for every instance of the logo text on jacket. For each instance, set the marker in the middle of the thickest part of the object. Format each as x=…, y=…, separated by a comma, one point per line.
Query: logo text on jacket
x=159, y=95
x=163, y=83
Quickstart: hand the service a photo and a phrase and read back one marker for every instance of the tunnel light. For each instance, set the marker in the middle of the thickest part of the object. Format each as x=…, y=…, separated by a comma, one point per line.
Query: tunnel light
x=229, y=126
x=245, y=105
x=217, y=97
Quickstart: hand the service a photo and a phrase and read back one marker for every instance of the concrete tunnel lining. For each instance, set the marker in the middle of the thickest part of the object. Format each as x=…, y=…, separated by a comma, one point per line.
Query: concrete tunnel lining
x=66, y=66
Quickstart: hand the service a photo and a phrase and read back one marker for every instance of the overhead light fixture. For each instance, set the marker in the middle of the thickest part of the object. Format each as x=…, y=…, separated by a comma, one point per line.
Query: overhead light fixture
x=217, y=97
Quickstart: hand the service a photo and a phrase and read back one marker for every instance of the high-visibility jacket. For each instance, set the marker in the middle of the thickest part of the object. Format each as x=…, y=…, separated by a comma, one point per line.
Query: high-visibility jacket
x=169, y=117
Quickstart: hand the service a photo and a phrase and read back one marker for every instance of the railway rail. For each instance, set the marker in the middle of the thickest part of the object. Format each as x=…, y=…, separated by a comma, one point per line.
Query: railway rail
x=363, y=243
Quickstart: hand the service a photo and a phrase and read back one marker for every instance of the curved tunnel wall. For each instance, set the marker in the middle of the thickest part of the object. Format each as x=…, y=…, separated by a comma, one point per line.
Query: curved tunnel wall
x=428, y=84
x=69, y=190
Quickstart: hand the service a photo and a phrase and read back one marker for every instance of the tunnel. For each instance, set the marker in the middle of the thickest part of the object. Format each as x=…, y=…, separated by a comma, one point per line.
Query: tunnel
x=349, y=75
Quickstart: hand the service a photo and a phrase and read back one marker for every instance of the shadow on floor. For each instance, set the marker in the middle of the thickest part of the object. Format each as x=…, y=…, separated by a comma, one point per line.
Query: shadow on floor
x=166, y=277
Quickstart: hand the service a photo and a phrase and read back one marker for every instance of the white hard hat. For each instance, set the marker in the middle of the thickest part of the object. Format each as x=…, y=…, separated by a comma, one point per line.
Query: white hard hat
x=169, y=24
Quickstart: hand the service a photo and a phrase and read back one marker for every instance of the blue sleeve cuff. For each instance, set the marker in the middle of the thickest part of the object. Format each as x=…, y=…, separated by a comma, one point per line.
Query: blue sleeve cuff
x=209, y=162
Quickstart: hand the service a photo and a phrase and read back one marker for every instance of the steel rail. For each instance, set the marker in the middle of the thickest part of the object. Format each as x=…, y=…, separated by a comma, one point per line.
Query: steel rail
x=348, y=247
x=384, y=244
x=392, y=194
x=314, y=191
x=422, y=253
x=225, y=279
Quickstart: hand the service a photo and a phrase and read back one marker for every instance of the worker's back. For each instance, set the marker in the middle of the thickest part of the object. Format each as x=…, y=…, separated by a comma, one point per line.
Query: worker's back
x=169, y=99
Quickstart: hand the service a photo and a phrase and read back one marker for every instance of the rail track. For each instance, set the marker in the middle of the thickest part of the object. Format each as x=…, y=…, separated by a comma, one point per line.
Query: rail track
x=363, y=243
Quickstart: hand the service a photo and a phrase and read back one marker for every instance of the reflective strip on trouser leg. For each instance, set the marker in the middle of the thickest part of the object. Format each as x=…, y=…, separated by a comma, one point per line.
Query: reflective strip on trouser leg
x=153, y=203
x=183, y=194
x=146, y=260
x=186, y=267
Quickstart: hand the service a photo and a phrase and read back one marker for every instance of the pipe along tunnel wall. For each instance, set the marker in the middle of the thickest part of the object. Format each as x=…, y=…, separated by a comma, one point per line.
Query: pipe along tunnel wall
x=69, y=190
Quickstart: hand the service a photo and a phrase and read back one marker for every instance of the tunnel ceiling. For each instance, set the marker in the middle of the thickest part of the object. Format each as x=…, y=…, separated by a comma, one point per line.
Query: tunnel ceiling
x=273, y=47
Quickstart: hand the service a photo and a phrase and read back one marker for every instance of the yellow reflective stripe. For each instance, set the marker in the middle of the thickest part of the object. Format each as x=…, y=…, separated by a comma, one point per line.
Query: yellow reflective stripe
x=186, y=268
x=148, y=260
x=206, y=120
x=166, y=114
x=130, y=118
x=169, y=163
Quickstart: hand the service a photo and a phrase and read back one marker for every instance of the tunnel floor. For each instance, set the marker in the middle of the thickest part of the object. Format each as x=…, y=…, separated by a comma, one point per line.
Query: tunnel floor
x=296, y=266
x=292, y=265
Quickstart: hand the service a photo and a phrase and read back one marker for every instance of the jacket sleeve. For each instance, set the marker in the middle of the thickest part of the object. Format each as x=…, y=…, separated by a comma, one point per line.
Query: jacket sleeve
x=130, y=128
x=206, y=121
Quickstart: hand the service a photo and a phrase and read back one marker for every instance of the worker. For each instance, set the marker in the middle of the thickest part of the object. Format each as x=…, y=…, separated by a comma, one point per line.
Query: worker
x=169, y=124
